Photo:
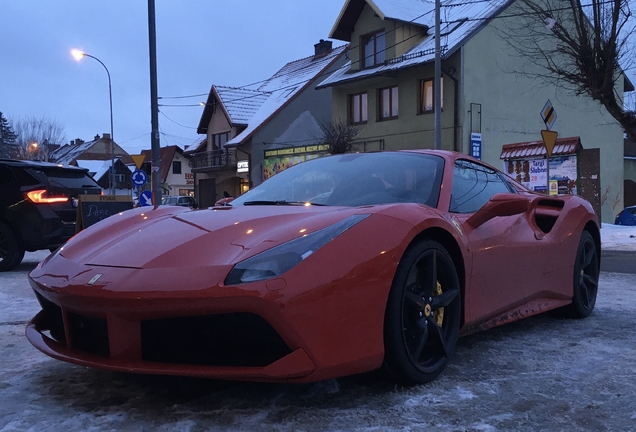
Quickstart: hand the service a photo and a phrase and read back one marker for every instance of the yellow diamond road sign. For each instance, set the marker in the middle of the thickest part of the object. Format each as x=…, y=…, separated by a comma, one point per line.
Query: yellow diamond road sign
x=549, y=139
x=548, y=114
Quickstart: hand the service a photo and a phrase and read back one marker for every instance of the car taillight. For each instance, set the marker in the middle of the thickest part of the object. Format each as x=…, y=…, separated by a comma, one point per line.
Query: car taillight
x=41, y=197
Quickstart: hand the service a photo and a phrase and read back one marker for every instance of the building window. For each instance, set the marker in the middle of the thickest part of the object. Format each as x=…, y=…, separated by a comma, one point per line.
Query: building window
x=358, y=108
x=373, y=49
x=388, y=103
x=176, y=167
x=244, y=185
x=120, y=178
x=219, y=139
x=427, y=95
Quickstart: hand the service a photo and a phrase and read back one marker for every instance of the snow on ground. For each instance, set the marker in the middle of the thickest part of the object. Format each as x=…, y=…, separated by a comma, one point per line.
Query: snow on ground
x=541, y=373
x=618, y=237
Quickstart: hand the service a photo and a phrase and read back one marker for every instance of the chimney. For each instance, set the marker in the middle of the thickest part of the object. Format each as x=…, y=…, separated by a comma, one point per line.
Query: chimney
x=322, y=48
x=106, y=136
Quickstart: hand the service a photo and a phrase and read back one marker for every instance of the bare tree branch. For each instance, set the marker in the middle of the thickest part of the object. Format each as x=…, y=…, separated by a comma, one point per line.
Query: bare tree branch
x=585, y=48
x=339, y=136
x=34, y=134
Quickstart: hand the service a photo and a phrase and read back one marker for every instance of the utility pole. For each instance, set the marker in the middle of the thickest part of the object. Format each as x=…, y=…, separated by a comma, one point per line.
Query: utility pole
x=437, y=87
x=154, y=108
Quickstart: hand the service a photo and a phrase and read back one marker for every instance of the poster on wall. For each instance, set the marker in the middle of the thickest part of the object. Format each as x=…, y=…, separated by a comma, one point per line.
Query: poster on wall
x=279, y=160
x=533, y=173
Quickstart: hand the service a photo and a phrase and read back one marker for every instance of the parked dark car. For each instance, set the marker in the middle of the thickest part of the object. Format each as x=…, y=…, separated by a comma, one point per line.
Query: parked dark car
x=182, y=201
x=627, y=216
x=38, y=206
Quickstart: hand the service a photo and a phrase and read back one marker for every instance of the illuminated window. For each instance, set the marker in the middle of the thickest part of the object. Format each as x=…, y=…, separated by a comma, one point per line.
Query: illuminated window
x=427, y=96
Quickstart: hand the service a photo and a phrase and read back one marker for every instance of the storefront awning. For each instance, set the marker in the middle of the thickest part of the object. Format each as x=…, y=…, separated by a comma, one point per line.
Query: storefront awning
x=532, y=149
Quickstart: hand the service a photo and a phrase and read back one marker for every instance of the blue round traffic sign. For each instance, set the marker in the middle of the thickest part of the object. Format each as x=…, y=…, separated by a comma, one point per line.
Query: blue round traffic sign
x=139, y=177
x=145, y=198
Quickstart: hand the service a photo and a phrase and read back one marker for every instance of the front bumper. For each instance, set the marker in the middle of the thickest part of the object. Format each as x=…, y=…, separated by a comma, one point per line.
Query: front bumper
x=294, y=365
x=179, y=321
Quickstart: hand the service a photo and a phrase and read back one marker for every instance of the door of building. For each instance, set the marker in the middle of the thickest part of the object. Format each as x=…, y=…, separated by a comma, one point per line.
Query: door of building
x=589, y=178
x=207, y=192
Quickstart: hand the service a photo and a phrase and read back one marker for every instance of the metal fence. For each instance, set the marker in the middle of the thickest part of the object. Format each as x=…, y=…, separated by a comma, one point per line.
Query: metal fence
x=214, y=158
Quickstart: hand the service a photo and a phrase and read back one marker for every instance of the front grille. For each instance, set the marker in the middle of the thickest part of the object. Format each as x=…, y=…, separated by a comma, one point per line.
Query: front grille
x=53, y=321
x=89, y=334
x=236, y=339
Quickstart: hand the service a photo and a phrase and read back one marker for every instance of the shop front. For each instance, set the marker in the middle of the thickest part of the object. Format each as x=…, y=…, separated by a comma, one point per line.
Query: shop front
x=526, y=162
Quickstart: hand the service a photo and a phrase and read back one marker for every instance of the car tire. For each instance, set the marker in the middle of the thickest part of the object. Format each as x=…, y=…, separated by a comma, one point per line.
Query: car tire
x=11, y=251
x=586, y=274
x=423, y=312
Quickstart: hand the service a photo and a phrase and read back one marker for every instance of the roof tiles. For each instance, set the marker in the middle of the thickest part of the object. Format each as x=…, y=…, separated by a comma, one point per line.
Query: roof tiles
x=536, y=149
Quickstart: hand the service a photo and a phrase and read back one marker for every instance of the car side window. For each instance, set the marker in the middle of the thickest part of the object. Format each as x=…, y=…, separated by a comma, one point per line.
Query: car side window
x=6, y=176
x=474, y=185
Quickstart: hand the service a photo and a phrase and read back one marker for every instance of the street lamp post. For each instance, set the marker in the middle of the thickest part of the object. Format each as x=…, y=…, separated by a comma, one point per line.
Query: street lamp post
x=78, y=55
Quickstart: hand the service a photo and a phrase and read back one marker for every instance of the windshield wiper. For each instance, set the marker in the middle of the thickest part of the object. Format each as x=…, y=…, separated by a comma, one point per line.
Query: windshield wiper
x=280, y=202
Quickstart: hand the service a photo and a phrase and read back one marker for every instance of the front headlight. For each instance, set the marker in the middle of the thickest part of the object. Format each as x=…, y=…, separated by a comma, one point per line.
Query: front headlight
x=277, y=260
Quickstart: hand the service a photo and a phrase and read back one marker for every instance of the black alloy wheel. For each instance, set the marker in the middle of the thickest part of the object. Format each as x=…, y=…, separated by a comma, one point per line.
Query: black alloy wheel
x=586, y=273
x=423, y=314
x=11, y=252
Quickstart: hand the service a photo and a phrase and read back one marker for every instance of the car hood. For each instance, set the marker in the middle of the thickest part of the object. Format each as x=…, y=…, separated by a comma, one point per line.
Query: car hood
x=178, y=237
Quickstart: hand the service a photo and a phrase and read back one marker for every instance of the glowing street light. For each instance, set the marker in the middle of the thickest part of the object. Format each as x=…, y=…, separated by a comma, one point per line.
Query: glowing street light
x=78, y=55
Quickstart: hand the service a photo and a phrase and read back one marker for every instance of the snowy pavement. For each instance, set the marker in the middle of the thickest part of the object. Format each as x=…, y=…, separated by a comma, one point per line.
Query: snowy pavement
x=542, y=373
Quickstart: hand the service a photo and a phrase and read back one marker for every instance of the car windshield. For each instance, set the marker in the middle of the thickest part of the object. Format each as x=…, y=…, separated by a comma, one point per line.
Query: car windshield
x=353, y=180
x=169, y=201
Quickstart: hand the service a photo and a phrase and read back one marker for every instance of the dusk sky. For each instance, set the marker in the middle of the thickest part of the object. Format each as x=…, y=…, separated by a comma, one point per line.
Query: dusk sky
x=199, y=43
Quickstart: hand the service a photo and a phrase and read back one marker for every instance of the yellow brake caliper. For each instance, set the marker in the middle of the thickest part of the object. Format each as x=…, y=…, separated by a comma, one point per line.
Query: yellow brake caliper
x=438, y=316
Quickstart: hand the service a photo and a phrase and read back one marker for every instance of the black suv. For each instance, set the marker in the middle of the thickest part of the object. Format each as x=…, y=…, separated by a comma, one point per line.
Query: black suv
x=38, y=206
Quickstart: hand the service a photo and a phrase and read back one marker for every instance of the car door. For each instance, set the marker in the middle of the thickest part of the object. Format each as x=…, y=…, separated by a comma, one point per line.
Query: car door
x=506, y=255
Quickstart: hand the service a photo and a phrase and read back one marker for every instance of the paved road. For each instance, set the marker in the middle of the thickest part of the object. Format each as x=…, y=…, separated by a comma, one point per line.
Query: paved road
x=618, y=261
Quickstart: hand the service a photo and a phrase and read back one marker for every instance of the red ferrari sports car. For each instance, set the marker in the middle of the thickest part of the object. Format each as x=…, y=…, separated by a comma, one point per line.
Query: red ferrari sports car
x=336, y=266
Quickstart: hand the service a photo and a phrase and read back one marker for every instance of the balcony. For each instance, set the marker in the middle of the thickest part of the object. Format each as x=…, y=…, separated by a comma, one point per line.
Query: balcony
x=214, y=159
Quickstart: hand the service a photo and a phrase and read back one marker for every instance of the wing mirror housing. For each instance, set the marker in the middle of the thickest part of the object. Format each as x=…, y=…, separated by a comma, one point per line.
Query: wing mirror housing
x=501, y=204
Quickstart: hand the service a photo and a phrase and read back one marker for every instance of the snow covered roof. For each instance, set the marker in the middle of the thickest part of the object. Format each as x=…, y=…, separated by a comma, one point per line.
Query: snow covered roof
x=96, y=168
x=460, y=21
x=69, y=152
x=97, y=149
x=414, y=11
x=283, y=86
x=239, y=104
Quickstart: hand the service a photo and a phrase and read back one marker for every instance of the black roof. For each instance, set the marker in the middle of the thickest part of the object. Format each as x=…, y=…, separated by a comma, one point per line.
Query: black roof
x=37, y=164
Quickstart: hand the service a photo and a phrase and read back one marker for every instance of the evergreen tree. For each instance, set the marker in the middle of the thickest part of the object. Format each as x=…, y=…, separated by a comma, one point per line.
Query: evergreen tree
x=7, y=137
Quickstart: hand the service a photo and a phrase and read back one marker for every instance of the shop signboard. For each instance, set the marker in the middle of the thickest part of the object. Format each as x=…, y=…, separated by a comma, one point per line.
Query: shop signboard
x=279, y=160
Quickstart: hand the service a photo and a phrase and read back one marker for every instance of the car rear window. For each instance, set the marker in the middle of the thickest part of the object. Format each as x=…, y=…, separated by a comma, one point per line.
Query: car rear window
x=70, y=178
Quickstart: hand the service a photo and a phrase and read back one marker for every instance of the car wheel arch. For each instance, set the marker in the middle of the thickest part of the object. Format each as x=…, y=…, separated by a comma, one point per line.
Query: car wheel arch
x=593, y=229
x=11, y=261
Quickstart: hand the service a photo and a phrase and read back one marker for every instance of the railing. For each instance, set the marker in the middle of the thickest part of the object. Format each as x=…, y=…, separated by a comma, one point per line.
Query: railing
x=214, y=158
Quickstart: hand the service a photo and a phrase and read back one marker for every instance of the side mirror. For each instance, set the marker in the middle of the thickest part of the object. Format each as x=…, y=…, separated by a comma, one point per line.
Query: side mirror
x=501, y=204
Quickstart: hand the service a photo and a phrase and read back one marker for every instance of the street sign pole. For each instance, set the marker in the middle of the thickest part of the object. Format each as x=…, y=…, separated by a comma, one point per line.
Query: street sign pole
x=548, y=114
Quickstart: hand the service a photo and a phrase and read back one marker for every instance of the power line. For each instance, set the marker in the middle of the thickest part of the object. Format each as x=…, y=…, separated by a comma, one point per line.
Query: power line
x=246, y=87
